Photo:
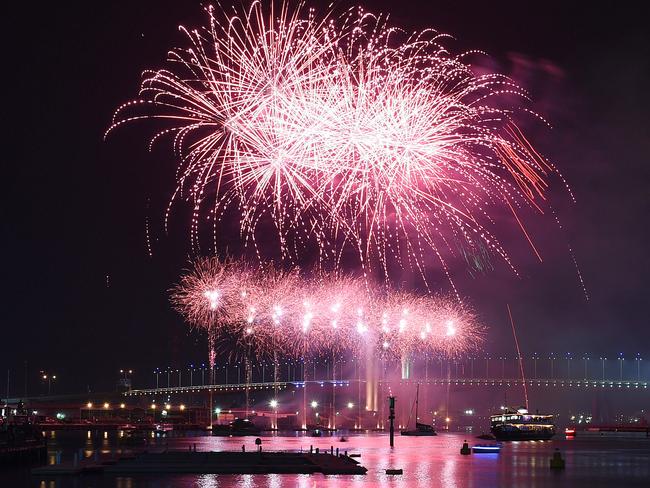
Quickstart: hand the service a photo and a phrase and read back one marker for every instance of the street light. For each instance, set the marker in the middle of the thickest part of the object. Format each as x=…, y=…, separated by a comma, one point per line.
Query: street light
x=89, y=405
x=620, y=362
x=49, y=378
x=274, y=405
x=314, y=405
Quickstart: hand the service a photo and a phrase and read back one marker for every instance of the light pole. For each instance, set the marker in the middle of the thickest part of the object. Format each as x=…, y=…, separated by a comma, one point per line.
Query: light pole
x=620, y=364
x=552, y=359
x=314, y=405
x=49, y=378
x=638, y=366
x=274, y=405
x=126, y=378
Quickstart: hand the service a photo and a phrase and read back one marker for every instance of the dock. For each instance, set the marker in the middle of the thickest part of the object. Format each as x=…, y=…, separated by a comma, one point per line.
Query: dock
x=213, y=463
x=26, y=453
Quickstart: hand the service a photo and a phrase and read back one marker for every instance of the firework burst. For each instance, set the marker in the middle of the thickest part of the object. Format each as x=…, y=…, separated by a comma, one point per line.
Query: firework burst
x=268, y=311
x=344, y=132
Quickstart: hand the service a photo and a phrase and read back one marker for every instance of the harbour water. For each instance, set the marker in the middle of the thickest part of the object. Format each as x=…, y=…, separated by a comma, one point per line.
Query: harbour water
x=427, y=462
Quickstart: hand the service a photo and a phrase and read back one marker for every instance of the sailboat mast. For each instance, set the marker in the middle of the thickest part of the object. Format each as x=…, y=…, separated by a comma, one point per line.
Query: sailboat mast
x=417, y=398
x=521, y=364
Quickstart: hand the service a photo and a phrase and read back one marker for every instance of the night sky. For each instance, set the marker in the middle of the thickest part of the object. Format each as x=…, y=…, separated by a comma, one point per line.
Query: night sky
x=81, y=295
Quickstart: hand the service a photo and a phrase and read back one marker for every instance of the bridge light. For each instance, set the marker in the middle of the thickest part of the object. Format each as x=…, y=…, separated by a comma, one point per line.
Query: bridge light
x=273, y=403
x=314, y=404
x=350, y=405
x=182, y=407
x=106, y=405
x=89, y=405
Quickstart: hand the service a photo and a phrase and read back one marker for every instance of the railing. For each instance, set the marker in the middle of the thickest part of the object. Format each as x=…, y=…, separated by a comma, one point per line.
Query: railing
x=538, y=367
x=471, y=382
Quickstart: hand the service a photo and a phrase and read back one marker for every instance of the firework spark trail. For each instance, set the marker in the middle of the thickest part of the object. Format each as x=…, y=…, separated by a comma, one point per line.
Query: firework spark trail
x=267, y=310
x=344, y=132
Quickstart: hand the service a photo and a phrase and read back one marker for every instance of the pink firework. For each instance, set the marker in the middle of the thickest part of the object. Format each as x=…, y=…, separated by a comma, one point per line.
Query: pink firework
x=207, y=296
x=344, y=132
x=269, y=311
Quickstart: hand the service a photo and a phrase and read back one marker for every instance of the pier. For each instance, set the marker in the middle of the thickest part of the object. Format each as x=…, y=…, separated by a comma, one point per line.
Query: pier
x=212, y=463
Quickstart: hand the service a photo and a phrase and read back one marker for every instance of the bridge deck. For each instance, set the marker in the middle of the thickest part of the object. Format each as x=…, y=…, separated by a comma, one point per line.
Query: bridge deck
x=472, y=382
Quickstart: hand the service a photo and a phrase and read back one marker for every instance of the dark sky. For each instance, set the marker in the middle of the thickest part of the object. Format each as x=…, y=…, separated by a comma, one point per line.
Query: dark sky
x=81, y=295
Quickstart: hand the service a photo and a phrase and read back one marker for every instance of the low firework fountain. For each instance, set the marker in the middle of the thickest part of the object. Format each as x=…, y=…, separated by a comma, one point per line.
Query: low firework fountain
x=270, y=312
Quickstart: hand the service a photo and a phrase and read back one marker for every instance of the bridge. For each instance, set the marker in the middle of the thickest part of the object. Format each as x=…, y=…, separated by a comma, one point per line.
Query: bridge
x=464, y=382
x=543, y=371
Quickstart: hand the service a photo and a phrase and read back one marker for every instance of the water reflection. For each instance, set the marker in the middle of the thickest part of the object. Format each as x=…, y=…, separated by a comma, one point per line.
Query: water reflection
x=427, y=462
x=448, y=474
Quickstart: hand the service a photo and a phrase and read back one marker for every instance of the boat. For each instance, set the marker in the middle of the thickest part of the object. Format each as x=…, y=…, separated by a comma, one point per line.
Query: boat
x=420, y=428
x=134, y=438
x=486, y=448
x=486, y=437
x=21, y=441
x=520, y=425
x=238, y=427
x=641, y=430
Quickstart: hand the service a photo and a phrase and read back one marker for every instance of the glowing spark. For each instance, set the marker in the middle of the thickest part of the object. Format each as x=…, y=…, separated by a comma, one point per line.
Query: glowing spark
x=272, y=293
x=341, y=135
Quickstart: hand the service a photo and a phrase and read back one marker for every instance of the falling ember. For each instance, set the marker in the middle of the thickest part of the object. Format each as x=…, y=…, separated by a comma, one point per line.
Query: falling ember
x=343, y=134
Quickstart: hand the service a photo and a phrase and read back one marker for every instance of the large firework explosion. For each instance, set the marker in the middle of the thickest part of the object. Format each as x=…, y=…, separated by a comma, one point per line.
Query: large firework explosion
x=268, y=311
x=345, y=133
